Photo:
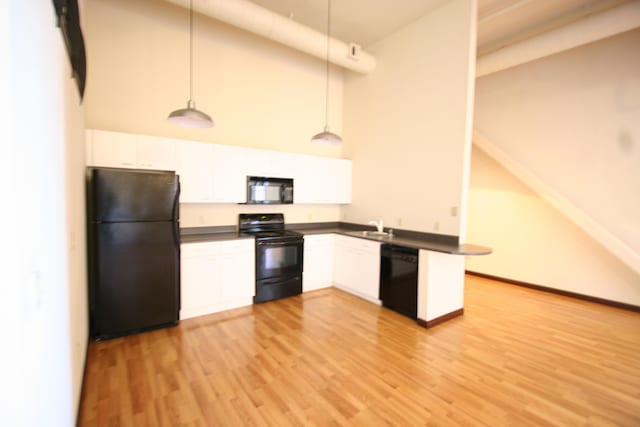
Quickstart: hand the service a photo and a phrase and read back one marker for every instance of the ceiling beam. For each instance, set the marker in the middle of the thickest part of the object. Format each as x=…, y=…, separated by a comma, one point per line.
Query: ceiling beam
x=595, y=27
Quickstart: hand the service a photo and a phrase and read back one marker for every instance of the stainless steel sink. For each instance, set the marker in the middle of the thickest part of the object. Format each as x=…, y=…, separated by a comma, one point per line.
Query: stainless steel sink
x=371, y=233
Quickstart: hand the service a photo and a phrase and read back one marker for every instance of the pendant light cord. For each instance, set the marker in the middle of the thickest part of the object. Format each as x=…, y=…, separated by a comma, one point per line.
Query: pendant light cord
x=326, y=97
x=190, y=50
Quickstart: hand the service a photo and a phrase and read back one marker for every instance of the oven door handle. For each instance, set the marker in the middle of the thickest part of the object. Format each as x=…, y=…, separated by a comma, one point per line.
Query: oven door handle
x=272, y=243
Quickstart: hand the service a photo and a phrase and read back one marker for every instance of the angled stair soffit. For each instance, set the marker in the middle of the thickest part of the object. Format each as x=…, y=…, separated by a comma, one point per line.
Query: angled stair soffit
x=594, y=229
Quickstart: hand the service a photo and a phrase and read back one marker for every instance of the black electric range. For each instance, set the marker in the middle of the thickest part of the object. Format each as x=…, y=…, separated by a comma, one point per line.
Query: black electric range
x=279, y=255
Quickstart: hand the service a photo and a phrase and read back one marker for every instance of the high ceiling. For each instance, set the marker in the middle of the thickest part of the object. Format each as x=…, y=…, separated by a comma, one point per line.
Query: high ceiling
x=500, y=22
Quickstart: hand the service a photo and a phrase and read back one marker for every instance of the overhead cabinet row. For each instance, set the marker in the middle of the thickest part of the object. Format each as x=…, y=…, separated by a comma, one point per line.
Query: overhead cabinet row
x=214, y=173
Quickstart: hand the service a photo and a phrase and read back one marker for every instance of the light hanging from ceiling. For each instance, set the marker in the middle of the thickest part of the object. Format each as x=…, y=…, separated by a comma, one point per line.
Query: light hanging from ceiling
x=190, y=117
x=326, y=136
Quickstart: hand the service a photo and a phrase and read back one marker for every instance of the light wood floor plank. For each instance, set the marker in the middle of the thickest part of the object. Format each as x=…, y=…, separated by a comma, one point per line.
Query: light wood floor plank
x=517, y=357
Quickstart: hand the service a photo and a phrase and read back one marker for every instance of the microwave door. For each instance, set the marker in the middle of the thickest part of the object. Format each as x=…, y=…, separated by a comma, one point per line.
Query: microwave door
x=258, y=194
x=273, y=193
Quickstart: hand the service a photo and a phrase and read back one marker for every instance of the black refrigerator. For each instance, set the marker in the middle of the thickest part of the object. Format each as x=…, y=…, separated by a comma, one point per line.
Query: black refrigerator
x=134, y=250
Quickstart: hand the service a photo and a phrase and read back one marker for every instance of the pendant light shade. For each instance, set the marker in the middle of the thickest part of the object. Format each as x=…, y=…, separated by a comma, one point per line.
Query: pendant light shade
x=190, y=117
x=326, y=137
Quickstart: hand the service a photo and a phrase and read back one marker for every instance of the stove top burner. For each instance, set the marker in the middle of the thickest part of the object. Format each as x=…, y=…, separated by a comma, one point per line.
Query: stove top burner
x=265, y=227
x=267, y=235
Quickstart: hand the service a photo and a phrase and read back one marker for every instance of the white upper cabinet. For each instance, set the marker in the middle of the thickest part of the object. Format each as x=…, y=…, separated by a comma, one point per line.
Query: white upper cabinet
x=283, y=165
x=194, y=164
x=155, y=153
x=229, y=178
x=214, y=173
x=125, y=150
x=210, y=173
x=321, y=180
x=111, y=149
x=342, y=181
x=257, y=162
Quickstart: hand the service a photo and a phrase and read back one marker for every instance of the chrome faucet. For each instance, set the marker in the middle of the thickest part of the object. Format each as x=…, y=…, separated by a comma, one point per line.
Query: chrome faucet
x=379, y=225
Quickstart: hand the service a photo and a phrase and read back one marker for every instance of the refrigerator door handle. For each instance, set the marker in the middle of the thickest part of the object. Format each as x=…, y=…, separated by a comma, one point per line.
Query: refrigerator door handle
x=176, y=233
x=176, y=200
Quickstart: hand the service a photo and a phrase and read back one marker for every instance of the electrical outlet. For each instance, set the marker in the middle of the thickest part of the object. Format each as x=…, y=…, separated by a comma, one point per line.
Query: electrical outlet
x=454, y=211
x=310, y=216
x=399, y=221
x=436, y=226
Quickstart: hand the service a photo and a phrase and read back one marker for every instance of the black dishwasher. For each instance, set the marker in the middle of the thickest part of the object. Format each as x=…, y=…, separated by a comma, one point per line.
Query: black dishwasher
x=399, y=279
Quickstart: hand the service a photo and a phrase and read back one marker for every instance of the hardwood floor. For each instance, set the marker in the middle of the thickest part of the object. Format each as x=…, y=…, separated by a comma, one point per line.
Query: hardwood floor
x=518, y=357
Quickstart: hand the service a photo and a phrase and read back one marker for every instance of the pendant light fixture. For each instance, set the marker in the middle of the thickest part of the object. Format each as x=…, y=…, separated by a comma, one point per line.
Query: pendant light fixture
x=327, y=137
x=190, y=117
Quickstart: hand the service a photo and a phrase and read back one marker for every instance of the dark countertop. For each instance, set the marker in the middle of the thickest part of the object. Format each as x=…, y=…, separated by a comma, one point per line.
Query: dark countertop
x=427, y=241
x=408, y=241
x=210, y=237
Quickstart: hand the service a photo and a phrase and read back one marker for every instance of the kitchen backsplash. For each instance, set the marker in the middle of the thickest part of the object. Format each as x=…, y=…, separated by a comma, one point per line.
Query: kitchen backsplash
x=202, y=214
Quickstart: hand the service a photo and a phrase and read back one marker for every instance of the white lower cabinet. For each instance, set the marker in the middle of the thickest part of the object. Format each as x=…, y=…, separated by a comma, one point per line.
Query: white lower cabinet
x=220, y=275
x=318, y=262
x=216, y=276
x=357, y=266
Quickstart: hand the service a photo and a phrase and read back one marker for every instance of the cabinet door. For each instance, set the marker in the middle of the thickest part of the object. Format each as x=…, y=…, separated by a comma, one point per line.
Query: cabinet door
x=318, y=262
x=257, y=162
x=368, y=266
x=216, y=276
x=283, y=165
x=311, y=185
x=229, y=176
x=238, y=277
x=303, y=180
x=341, y=171
x=199, y=287
x=112, y=149
x=124, y=150
x=357, y=266
x=155, y=153
x=322, y=180
x=193, y=164
x=343, y=258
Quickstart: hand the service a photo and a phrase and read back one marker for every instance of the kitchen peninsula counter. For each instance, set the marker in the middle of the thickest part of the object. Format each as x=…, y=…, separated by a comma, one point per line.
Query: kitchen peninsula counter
x=427, y=241
x=412, y=239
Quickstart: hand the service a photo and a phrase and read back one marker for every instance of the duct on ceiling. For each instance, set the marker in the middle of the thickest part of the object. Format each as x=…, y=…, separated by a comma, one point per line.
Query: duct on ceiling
x=256, y=19
x=592, y=28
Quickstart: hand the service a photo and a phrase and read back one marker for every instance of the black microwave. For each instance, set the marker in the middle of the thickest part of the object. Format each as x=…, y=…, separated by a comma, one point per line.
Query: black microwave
x=265, y=190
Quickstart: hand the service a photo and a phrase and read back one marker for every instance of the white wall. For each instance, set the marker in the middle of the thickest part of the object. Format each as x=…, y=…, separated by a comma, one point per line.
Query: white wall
x=259, y=93
x=198, y=215
x=534, y=243
x=44, y=285
x=406, y=124
x=573, y=119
